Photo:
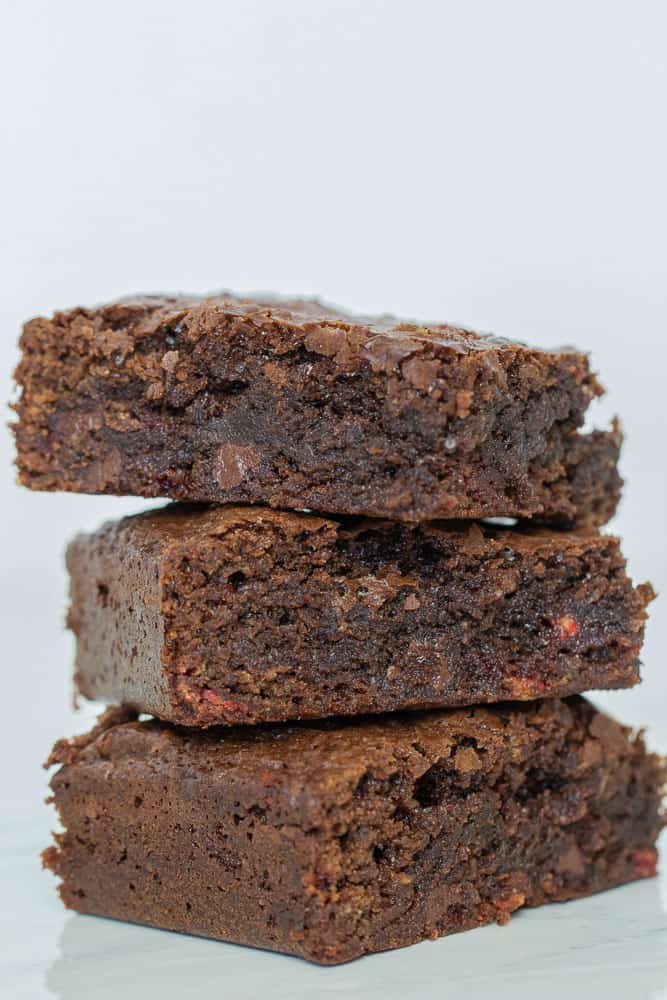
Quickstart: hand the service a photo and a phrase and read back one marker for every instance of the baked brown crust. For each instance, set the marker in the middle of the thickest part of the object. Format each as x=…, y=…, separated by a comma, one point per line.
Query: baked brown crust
x=297, y=406
x=330, y=841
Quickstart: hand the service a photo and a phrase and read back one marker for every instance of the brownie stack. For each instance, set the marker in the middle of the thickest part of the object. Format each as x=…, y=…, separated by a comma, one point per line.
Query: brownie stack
x=379, y=517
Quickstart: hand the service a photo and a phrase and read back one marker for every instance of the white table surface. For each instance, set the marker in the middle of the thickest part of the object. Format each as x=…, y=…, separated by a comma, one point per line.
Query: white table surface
x=613, y=945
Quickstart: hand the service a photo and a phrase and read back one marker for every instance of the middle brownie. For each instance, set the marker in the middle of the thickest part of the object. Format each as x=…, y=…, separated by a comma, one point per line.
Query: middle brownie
x=228, y=615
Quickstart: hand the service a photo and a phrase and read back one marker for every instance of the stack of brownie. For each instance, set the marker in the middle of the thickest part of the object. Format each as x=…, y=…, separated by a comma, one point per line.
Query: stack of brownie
x=378, y=517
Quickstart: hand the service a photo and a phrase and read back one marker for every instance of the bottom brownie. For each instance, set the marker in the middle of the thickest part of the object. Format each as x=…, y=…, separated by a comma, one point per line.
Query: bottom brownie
x=332, y=840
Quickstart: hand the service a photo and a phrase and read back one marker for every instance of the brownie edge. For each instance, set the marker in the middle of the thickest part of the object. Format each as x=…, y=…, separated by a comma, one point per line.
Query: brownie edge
x=334, y=840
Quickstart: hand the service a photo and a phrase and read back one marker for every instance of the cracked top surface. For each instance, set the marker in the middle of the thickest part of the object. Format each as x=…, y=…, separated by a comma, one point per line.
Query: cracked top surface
x=188, y=523
x=383, y=341
x=327, y=759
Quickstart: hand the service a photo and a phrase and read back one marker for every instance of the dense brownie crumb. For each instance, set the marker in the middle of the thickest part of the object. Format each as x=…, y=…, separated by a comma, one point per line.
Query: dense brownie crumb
x=297, y=406
x=330, y=841
x=243, y=615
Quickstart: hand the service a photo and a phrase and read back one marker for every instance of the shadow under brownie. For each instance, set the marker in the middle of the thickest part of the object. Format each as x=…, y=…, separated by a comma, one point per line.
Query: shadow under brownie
x=242, y=615
x=296, y=405
x=334, y=840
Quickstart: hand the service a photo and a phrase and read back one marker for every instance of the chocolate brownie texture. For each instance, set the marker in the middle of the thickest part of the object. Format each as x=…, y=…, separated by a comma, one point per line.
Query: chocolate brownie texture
x=330, y=841
x=237, y=615
x=298, y=406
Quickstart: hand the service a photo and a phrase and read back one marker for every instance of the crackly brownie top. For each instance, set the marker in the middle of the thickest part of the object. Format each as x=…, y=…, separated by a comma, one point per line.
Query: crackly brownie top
x=384, y=342
x=311, y=762
x=186, y=523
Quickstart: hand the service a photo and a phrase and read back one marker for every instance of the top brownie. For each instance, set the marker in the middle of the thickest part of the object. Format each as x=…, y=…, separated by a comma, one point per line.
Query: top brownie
x=296, y=405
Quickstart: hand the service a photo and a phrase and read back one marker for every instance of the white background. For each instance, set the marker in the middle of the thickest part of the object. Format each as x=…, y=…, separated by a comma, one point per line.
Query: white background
x=500, y=164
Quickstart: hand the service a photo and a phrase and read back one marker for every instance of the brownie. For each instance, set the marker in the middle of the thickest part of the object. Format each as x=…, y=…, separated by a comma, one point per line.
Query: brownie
x=233, y=615
x=332, y=840
x=295, y=405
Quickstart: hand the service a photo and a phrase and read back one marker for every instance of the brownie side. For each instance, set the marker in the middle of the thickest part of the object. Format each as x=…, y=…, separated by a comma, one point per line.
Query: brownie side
x=297, y=406
x=244, y=615
x=116, y=591
x=330, y=841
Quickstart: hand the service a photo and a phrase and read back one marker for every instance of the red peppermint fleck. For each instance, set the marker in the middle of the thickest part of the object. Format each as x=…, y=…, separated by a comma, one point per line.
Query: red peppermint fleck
x=235, y=707
x=211, y=696
x=228, y=707
x=645, y=862
x=567, y=627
